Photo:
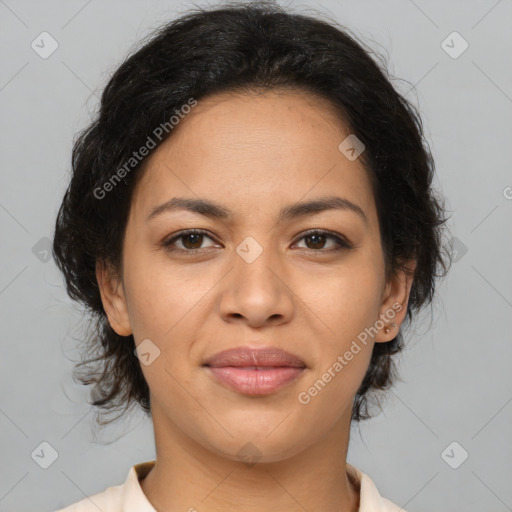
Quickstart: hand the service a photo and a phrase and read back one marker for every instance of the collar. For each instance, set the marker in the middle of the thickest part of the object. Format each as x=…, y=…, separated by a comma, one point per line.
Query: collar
x=133, y=498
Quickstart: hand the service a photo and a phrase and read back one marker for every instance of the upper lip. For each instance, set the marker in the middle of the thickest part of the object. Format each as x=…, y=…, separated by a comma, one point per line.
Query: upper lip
x=248, y=356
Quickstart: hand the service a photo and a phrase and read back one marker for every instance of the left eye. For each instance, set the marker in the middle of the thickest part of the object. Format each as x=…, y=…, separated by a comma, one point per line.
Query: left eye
x=195, y=237
x=318, y=236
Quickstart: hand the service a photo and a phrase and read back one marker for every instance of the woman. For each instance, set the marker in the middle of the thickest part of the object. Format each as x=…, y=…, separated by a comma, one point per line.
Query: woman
x=251, y=220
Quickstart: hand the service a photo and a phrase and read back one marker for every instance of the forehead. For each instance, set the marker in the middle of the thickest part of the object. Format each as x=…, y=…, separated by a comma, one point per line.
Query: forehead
x=259, y=148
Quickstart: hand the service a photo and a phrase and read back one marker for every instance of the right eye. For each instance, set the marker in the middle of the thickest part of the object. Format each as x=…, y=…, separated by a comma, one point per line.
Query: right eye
x=190, y=237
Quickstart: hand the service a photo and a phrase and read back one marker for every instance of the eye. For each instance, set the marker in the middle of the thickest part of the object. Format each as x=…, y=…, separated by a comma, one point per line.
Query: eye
x=192, y=240
x=317, y=240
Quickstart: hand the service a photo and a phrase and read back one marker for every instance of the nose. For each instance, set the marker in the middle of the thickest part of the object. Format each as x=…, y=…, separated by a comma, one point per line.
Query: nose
x=257, y=290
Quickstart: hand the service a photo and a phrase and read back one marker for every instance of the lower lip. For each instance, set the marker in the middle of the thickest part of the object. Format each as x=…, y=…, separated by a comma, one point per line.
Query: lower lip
x=256, y=382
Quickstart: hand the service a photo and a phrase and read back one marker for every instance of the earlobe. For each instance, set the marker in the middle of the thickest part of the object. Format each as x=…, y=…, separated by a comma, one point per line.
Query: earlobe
x=395, y=302
x=113, y=299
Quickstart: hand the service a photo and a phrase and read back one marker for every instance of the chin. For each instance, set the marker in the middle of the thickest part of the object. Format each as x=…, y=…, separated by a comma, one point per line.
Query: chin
x=252, y=446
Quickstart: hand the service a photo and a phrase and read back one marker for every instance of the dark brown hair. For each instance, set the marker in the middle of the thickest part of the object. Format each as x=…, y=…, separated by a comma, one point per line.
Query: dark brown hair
x=243, y=47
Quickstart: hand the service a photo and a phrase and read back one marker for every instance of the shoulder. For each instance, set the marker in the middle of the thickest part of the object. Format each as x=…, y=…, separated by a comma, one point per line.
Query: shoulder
x=389, y=506
x=126, y=497
x=107, y=500
x=370, y=500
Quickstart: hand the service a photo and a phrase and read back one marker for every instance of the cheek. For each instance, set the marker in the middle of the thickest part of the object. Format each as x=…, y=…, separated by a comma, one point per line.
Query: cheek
x=159, y=297
x=346, y=301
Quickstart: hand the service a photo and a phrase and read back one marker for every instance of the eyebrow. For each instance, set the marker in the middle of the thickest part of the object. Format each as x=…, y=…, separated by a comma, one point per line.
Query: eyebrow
x=292, y=211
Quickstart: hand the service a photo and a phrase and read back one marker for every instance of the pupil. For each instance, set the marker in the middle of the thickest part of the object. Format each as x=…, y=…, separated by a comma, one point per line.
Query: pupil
x=313, y=237
x=194, y=235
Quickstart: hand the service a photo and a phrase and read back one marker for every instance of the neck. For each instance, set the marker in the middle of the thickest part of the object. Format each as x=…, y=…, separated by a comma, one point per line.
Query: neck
x=188, y=476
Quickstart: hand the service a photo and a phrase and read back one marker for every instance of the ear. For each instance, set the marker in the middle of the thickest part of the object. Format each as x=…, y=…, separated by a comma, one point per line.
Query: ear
x=394, y=302
x=113, y=299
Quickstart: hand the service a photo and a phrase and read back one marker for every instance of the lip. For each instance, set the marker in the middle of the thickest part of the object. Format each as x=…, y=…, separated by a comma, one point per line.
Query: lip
x=255, y=371
x=249, y=356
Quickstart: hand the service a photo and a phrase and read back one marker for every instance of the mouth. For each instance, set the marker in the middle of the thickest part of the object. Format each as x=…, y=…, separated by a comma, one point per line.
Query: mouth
x=255, y=372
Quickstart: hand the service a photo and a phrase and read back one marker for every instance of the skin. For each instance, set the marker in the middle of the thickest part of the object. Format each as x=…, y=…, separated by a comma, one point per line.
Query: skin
x=253, y=154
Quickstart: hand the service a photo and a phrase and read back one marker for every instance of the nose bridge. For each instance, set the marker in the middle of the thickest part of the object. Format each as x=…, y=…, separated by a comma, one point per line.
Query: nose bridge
x=255, y=288
x=255, y=261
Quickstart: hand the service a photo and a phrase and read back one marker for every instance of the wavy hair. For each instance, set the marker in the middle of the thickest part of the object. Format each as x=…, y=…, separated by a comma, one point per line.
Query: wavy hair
x=244, y=47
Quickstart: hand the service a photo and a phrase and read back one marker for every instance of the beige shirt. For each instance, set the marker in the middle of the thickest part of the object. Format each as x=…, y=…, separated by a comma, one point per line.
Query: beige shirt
x=129, y=497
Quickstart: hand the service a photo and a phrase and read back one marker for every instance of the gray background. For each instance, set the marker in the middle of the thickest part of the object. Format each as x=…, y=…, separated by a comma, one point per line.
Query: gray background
x=457, y=384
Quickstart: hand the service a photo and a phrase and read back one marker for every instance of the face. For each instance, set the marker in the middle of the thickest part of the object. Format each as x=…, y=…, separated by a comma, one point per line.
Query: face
x=308, y=282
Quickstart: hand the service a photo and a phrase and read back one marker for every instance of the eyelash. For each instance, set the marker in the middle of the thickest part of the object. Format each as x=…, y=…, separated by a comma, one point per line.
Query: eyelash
x=342, y=243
